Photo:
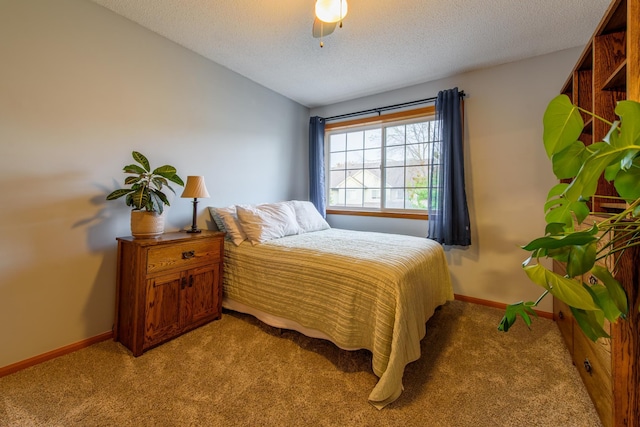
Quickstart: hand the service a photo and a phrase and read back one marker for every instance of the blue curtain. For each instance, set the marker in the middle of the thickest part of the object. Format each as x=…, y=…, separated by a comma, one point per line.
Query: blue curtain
x=448, y=211
x=316, y=164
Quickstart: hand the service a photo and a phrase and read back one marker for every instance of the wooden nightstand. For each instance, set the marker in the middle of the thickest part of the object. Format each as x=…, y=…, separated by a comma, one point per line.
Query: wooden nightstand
x=166, y=286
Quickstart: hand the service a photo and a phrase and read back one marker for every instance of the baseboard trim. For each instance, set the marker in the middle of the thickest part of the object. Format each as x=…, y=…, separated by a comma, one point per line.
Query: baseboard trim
x=479, y=301
x=10, y=369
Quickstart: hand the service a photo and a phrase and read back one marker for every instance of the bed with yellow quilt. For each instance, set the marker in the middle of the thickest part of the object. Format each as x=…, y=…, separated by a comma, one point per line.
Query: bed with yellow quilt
x=360, y=290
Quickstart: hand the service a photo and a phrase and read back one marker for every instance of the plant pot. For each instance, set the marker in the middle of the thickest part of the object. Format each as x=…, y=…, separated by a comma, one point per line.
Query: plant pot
x=146, y=225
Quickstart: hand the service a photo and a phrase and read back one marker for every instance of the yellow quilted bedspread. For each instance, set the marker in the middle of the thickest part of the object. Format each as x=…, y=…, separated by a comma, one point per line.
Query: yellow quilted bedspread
x=363, y=290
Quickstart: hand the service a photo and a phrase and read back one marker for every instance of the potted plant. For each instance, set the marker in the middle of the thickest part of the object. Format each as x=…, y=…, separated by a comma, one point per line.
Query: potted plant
x=579, y=167
x=145, y=195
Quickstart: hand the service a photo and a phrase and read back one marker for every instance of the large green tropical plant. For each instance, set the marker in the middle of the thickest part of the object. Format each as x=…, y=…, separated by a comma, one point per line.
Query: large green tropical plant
x=580, y=167
x=146, y=188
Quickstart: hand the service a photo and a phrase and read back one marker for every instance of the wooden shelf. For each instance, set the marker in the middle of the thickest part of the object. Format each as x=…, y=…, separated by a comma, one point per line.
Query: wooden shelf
x=614, y=19
x=606, y=73
x=618, y=79
x=614, y=206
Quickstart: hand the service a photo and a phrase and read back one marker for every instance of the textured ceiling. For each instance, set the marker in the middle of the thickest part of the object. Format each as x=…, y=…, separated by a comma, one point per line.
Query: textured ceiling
x=383, y=45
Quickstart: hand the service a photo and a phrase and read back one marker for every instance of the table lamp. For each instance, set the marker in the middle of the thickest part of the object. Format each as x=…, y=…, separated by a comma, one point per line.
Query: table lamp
x=195, y=188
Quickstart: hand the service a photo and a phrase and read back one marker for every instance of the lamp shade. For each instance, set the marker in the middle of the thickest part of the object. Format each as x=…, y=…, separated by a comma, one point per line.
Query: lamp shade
x=195, y=188
x=331, y=10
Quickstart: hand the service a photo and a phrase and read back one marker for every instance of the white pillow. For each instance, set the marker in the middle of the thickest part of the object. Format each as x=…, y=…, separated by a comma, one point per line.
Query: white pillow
x=308, y=217
x=232, y=226
x=268, y=221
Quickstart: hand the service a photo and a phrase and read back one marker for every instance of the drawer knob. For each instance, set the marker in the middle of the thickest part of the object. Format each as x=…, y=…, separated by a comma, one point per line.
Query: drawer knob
x=587, y=366
x=561, y=315
x=593, y=280
x=188, y=254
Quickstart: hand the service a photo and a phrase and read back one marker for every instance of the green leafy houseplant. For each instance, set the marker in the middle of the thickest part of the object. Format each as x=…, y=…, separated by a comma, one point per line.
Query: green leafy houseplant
x=580, y=167
x=146, y=188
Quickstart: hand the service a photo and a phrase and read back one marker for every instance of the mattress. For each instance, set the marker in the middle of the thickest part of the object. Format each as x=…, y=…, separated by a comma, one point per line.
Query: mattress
x=358, y=289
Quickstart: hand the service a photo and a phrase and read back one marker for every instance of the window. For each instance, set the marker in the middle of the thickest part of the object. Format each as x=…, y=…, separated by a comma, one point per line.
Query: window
x=385, y=166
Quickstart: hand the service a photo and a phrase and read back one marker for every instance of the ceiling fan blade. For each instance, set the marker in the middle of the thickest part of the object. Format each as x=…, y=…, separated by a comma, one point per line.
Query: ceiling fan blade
x=322, y=29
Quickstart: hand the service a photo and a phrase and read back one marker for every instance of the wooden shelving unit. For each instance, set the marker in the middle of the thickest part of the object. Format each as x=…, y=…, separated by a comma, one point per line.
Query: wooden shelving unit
x=606, y=73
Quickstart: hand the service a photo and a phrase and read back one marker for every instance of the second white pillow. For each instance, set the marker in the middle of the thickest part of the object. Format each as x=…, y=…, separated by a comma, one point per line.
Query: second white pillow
x=266, y=222
x=308, y=217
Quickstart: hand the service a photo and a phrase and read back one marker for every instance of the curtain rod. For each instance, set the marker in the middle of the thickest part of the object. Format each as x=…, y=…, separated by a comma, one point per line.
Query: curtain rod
x=387, y=108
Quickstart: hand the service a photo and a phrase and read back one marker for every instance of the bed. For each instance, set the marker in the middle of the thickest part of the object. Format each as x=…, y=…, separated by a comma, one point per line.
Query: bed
x=360, y=290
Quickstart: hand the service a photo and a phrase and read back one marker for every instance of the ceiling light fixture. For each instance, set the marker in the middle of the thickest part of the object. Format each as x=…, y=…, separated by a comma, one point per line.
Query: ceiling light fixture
x=328, y=14
x=331, y=10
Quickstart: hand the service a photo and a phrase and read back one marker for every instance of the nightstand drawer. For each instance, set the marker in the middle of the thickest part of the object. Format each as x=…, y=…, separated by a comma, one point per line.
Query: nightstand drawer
x=183, y=255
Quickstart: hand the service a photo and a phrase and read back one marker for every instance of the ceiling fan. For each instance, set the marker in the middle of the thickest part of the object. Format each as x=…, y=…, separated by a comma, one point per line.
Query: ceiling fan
x=328, y=14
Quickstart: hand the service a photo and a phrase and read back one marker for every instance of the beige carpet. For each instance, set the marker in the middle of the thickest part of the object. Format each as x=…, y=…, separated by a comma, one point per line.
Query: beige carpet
x=239, y=372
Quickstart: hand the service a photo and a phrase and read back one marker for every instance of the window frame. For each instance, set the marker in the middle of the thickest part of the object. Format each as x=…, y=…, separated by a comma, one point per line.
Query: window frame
x=401, y=117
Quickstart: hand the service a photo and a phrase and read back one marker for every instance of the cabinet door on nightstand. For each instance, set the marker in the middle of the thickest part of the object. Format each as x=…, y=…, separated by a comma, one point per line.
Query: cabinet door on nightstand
x=162, y=308
x=200, y=299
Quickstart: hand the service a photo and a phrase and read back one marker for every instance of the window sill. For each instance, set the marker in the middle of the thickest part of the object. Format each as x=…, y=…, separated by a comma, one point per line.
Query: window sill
x=389, y=214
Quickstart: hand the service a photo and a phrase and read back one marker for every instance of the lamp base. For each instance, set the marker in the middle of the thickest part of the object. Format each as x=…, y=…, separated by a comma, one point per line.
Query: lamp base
x=194, y=227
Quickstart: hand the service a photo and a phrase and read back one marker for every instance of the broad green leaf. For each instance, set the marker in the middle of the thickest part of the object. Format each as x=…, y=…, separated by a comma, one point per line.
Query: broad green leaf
x=629, y=113
x=157, y=200
x=603, y=299
x=176, y=179
x=567, y=163
x=557, y=190
x=165, y=171
x=629, y=137
x=560, y=254
x=561, y=210
x=118, y=193
x=133, y=169
x=611, y=171
x=616, y=292
x=562, y=125
x=522, y=309
x=581, y=258
x=571, y=239
x=159, y=181
x=568, y=290
x=586, y=182
x=140, y=158
x=161, y=196
x=554, y=228
x=140, y=198
x=590, y=322
x=130, y=180
x=627, y=182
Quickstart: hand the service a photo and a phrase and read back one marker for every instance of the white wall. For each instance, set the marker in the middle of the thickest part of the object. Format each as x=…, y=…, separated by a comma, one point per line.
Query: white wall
x=80, y=88
x=507, y=172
